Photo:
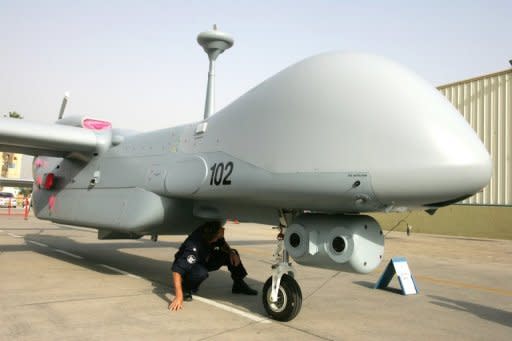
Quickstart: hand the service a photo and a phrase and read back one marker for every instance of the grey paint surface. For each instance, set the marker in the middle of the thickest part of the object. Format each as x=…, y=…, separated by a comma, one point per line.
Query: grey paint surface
x=38, y=138
x=311, y=118
x=361, y=251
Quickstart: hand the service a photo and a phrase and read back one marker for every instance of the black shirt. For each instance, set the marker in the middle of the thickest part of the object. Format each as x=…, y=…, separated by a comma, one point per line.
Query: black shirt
x=194, y=250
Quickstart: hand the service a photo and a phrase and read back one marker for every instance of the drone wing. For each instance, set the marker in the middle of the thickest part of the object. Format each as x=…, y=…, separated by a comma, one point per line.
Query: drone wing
x=63, y=139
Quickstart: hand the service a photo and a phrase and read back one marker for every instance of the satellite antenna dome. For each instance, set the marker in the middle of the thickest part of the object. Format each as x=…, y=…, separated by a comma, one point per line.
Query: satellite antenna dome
x=213, y=42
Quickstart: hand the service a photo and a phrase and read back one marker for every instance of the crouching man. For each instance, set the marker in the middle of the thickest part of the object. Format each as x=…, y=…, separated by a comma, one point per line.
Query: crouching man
x=205, y=250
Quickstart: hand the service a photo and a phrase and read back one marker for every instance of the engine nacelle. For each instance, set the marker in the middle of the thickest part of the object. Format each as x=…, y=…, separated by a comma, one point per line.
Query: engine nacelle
x=351, y=243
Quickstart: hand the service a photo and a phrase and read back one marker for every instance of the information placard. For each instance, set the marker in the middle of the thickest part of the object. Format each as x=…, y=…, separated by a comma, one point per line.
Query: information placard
x=398, y=266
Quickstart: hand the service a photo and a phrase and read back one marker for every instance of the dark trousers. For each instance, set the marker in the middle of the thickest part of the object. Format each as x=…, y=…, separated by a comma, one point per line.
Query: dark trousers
x=199, y=272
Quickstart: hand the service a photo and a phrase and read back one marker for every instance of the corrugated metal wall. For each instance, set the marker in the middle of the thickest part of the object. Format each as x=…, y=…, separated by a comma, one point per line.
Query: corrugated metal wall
x=486, y=104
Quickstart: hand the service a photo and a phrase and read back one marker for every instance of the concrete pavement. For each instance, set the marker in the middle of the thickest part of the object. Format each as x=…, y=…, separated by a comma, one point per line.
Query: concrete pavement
x=58, y=282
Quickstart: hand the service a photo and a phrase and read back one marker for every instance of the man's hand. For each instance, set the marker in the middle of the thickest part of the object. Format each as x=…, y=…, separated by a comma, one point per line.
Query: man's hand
x=176, y=304
x=234, y=258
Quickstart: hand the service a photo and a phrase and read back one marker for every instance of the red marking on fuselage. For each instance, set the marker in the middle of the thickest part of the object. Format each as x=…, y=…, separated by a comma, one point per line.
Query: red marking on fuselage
x=51, y=202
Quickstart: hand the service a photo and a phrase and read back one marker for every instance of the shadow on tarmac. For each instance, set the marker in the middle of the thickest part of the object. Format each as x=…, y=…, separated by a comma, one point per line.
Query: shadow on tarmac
x=158, y=272
x=487, y=313
x=371, y=285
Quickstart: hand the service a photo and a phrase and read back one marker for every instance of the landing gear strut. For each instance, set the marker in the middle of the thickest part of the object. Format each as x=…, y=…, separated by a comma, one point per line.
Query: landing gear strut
x=282, y=297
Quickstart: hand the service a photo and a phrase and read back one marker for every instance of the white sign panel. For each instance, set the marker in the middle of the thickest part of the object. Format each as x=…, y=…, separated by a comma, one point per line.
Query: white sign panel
x=404, y=273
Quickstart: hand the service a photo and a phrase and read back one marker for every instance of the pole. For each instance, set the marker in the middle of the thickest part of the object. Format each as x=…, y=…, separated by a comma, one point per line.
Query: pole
x=210, y=91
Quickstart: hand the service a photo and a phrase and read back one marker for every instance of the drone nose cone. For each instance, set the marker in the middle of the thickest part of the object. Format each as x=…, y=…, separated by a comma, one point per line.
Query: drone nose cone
x=444, y=164
x=464, y=168
x=359, y=114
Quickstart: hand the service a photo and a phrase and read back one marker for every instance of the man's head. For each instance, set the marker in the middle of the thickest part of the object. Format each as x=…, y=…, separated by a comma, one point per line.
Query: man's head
x=212, y=231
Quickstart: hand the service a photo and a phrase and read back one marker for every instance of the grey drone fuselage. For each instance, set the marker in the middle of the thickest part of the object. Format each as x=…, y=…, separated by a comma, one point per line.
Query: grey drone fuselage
x=334, y=135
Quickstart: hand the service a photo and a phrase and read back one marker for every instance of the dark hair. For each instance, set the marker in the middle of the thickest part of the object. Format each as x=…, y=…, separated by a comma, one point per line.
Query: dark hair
x=210, y=229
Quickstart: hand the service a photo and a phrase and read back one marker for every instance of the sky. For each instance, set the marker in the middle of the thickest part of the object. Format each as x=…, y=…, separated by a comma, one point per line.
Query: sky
x=138, y=64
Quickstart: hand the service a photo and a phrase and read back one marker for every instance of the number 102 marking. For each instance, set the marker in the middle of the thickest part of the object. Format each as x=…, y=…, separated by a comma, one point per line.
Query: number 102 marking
x=218, y=177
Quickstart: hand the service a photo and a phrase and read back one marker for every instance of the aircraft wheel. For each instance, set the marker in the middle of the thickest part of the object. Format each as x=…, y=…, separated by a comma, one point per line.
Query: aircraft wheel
x=289, y=299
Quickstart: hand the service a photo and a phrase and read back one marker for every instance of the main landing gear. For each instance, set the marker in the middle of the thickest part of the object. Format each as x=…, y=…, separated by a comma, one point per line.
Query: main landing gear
x=282, y=297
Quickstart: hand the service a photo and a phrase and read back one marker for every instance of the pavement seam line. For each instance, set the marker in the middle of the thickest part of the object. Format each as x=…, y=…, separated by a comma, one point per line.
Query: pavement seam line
x=76, y=228
x=227, y=331
x=68, y=254
x=14, y=235
x=120, y=271
x=305, y=331
x=80, y=299
x=239, y=312
x=37, y=243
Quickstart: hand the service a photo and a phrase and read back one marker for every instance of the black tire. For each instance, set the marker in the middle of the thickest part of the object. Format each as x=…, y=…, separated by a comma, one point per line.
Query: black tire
x=289, y=299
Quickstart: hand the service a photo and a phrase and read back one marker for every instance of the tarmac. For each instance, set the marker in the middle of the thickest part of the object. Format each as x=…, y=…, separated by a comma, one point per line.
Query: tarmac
x=61, y=283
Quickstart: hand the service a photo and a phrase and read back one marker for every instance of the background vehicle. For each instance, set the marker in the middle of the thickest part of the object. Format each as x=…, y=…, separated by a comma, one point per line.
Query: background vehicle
x=7, y=199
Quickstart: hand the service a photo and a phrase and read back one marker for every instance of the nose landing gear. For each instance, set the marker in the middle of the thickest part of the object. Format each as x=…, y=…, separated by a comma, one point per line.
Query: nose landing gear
x=288, y=302
x=282, y=297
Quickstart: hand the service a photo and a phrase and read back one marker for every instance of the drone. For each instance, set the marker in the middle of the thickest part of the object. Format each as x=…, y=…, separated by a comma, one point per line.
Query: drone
x=310, y=150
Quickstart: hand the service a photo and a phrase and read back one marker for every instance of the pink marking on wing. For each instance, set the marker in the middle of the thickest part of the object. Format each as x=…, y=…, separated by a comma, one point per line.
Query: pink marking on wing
x=93, y=124
x=39, y=180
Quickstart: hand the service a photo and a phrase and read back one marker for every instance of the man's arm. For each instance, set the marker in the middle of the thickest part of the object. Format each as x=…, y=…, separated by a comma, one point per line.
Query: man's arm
x=177, y=302
x=234, y=257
